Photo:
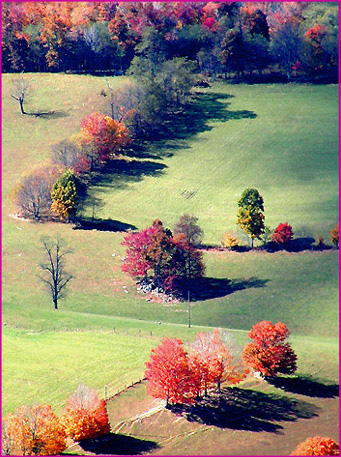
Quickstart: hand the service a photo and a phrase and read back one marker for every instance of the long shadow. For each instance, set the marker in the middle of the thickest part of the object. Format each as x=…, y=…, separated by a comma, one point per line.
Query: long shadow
x=243, y=409
x=305, y=385
x=104, y=225
x=208, y=288
x=55, y=114
x=205, y=108
x=296, y=245
x=117, y=444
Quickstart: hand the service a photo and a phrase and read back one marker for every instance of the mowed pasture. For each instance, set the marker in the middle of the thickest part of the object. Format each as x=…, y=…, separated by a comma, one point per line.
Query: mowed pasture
x=281, y=139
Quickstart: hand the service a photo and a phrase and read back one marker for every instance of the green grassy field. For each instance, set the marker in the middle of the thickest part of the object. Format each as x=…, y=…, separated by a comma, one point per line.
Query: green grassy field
x=281, y=139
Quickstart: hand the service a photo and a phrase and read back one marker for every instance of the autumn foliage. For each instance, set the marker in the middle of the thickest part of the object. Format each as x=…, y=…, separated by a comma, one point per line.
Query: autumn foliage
x=168, y=373
x=317, y=445
x=334, y=236
x=282, y=234
x=33, y=430
x=269, y=353
x=178, y=376
x=212, y=363
x=103, y=137
x=155, y=254
x=85, y=415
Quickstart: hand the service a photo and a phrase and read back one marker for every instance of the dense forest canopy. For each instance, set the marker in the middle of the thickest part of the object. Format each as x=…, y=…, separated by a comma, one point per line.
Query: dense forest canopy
x=238, y=39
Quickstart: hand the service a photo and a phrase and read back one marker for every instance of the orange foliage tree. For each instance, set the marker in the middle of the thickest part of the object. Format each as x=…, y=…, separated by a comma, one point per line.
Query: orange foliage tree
x=317, y=445
x=169, y=375
x=102, y=137
x=85, y=415
x=212, y=363
x=33, y=430
x=269, y=353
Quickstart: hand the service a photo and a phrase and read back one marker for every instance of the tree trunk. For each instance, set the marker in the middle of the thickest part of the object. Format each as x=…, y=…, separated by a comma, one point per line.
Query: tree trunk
x=21, y=102
x=251, y=243
x=55, y=301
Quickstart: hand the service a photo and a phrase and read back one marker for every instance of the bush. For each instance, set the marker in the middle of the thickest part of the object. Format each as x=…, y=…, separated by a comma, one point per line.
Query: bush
x=317, y=445
x=33, y=430
x=230, y=241
x=282, y=234
x=85, y=416
x=64, y=196
x=334, y=236
x=269, y=353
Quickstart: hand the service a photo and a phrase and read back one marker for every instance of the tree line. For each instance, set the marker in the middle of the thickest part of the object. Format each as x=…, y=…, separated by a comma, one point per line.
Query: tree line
x=239, y=39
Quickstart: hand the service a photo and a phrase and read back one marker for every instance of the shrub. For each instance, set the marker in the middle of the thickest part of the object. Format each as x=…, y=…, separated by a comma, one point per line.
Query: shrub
x=230, y=241
x=269, y=353
x=334, y=236
x=33, y=430
x=317, y=445
x=85, y=415
x=282, y=234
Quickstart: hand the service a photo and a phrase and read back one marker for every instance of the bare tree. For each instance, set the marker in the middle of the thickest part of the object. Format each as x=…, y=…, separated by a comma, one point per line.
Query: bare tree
x=56, y=277
x=111, y=90
x=19, y=90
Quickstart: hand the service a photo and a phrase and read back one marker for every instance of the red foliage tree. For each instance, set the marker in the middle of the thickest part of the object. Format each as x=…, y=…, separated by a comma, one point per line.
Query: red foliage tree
x=212, y=363
x=155, y=254
x=169, y=375
x=103, y=137
x=317, y=445
x=85, y=415
x=33, y=430
x=283, y=233
x=269, y=353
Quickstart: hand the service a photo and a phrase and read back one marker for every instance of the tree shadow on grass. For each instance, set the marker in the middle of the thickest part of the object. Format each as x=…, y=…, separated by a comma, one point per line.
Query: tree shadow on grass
x=198, y=115
x=117, y=444
x=104, y=225
x=208, y=288
x=243, y=409
x=54, y=114
x=305, y=385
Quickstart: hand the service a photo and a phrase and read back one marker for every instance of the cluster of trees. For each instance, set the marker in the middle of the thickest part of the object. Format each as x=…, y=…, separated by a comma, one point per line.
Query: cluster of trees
x=156, y=256
x=178, y=375
x=228, y=37
x=37, y=430
x=251, y=220
x=317, y=445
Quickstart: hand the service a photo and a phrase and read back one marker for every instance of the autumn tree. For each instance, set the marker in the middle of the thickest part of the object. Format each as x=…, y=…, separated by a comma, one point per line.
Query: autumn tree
x=334, y=236
x=19, y=91
x=85, y=415
x=102, y=137
x=283, y=234
x=154, y=254
x=69, y=155
x=250, y=216
x=33, y=430
x=64, y=196
x=188, y=226
x=55, y=277
x=269, y=353
x=212, y=363
x=32, y=196
x=168, y=373
x=317, y=445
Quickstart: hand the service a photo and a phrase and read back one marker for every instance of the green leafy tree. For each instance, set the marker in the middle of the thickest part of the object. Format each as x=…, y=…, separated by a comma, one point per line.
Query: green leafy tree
x=64, y=196
x=250, y=216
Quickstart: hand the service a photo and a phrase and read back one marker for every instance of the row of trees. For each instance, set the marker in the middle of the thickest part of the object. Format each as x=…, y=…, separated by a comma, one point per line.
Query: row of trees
x=178, y=375
x=37, y=430
x=235, y=37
